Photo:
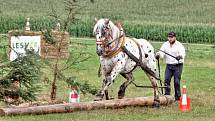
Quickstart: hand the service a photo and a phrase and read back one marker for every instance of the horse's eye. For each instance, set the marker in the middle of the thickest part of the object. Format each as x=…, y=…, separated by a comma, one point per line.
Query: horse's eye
x=103, y=33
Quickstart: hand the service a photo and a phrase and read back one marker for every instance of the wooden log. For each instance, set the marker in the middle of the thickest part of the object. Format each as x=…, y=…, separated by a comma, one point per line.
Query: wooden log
x=70, y=107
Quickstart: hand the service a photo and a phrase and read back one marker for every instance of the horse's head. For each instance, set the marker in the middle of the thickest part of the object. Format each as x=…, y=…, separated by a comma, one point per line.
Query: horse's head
x=105, y=32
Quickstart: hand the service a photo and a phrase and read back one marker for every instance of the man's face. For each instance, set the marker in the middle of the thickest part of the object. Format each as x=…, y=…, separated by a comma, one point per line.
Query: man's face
x=171, y=39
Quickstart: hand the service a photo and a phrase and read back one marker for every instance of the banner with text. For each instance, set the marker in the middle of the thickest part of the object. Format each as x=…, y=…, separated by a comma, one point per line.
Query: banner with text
x=19, y=43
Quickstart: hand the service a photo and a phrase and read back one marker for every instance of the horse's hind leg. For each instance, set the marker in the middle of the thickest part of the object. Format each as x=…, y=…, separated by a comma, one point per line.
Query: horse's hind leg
x=155, y=87
x=106, y=95
x=129, y=78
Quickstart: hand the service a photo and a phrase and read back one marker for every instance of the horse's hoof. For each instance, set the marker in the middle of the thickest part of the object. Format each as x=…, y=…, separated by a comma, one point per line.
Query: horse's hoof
x=121, y=94
x=120, y=97
x=99, y=97
x=156, y=104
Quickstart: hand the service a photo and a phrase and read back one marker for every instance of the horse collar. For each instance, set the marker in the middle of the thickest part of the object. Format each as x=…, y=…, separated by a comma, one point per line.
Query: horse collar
x=115, y=49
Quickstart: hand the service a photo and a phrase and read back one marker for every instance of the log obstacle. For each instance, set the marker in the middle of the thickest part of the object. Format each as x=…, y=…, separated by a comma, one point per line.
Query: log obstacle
x=71, y=107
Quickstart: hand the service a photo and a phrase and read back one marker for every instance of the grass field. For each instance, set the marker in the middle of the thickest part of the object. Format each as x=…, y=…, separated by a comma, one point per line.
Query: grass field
x=192, y=20
x=198, y=72
x=144, y=11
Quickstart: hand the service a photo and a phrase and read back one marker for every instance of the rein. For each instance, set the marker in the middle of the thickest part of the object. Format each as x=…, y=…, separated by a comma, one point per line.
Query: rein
x=114, y=39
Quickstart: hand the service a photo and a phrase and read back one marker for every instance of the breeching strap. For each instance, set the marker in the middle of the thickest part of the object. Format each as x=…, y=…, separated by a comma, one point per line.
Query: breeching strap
x=139, y=61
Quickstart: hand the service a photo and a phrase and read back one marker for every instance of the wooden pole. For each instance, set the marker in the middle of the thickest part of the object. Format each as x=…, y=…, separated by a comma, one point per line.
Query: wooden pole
x=70, y=107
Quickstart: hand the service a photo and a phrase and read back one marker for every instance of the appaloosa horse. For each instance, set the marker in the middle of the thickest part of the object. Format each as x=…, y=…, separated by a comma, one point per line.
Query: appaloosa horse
x=121, y=55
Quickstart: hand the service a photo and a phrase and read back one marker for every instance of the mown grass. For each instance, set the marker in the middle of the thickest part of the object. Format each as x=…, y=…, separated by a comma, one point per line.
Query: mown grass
x=198, y=73
x=192, y=20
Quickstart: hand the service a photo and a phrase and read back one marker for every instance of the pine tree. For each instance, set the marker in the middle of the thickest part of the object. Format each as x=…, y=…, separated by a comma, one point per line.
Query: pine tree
x=72, y=8
x=19, y=78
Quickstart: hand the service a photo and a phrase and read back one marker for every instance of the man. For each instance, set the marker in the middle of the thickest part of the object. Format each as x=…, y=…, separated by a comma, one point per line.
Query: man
x=173, y=53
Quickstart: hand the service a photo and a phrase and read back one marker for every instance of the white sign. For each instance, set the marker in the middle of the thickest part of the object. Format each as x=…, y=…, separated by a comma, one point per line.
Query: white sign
x=19, y=43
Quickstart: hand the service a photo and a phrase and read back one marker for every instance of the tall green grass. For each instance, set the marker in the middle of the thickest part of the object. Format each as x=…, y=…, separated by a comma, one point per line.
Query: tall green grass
x=192, y=20
x=185, y=33
x=149, y=31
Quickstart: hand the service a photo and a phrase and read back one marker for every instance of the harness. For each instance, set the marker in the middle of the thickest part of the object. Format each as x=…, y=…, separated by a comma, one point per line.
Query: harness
x=110, y=52
x=120, y=47
x=139, y=61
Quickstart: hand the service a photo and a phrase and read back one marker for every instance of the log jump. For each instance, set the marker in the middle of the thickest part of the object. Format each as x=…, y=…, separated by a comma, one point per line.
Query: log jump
x=71, y=107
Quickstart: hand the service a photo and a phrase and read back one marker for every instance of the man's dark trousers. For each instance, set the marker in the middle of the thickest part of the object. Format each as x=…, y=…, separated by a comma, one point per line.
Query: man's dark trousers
x=176, y=71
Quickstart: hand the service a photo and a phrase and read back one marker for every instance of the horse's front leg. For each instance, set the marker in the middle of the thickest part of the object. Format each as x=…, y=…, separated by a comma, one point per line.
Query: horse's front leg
x=108, y=80
x=102, y=92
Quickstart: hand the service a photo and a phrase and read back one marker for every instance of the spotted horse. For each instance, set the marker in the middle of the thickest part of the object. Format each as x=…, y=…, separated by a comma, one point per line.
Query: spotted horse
x=121, y=55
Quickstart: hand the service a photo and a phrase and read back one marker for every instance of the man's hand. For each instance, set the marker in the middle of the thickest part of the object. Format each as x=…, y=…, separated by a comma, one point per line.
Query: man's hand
x=179, y=57
x=157, y=56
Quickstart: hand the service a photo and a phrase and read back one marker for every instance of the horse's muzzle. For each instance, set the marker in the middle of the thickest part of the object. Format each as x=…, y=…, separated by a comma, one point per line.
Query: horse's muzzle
x=99, y=51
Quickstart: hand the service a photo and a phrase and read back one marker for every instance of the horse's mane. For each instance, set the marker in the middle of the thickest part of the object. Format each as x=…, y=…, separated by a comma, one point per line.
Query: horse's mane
x=101, y=23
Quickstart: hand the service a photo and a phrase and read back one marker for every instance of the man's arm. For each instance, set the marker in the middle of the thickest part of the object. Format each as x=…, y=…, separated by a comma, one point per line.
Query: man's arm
x=160, y=54
x=181, y=53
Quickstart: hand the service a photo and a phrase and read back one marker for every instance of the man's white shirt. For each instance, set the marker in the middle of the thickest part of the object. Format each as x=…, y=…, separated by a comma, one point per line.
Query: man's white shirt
x=177, y=49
